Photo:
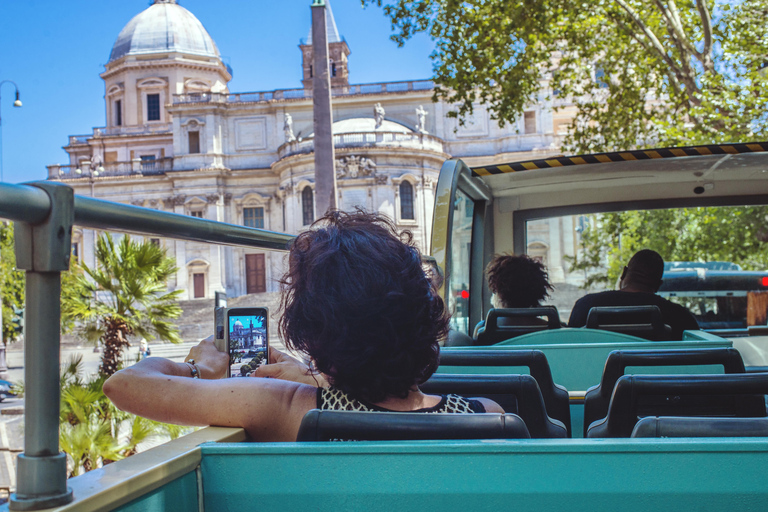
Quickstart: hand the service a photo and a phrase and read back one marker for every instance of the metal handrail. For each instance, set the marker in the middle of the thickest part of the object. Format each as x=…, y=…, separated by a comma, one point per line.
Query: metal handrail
x=100, y=214
x=25, y=203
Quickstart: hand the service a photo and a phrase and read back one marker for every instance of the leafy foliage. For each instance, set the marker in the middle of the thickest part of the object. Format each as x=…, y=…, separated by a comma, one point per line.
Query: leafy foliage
x=92, y=431
x=124, y=295
x=640, y=72
x=735, y=234
x=11, y=282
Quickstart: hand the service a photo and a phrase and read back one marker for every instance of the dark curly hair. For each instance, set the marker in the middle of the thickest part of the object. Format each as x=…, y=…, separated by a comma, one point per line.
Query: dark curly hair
x=518, y=280
x=356, y=299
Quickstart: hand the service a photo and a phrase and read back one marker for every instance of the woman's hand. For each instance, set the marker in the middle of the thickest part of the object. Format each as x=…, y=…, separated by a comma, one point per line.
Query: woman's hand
x=282, y=366
x=211, y=363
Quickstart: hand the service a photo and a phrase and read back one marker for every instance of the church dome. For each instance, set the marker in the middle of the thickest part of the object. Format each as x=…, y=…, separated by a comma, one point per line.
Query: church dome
x=366, y=124
x=164, y=27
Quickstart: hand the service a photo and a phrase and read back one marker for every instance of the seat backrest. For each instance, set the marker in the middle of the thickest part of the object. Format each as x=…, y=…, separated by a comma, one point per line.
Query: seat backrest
x=598, y=397
x=672, y=426
x=517, y=394
x=555, y=396
x=641, y=321
x=506, y=323
x=635, y=396
x=320, y=425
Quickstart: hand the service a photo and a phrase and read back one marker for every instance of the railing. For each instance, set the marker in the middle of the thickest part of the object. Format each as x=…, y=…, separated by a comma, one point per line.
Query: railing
x=284, y=94
x=45, y=213
x=144, y=129
x=88, y=170
x=366, y=139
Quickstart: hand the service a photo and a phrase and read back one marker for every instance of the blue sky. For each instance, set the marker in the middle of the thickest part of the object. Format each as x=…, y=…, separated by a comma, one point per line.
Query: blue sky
x=54, y=50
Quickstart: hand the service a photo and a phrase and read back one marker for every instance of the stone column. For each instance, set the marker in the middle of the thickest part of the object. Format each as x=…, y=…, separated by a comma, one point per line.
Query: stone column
x=325, y=174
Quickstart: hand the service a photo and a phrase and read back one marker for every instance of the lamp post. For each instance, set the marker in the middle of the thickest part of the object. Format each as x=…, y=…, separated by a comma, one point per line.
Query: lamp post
x=16, y=103
x=92, y=173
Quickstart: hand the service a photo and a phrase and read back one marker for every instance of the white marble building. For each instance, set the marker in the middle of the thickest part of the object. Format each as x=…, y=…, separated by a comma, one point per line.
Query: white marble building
x=178, y=140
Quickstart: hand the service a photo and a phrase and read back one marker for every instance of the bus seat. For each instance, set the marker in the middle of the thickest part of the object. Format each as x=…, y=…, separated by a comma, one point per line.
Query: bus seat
x=320, y=425
x=671, y=426
x=597, y=398
x=517, y=394
x=635, y=396
x=641, y=321
x=506, y=323
x=555, y=396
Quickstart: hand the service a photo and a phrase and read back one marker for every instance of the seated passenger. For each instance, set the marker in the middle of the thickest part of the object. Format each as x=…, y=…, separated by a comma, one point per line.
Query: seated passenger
x=640, y=280
x=517, y=281
x=356, y=301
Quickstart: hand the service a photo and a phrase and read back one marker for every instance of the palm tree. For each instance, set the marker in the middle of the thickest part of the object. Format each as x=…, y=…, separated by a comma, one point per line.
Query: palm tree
x=92, y=431
x=124, y=295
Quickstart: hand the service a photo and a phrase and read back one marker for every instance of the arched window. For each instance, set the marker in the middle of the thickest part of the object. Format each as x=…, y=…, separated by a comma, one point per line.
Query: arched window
x=307, y=206
x=406, y=201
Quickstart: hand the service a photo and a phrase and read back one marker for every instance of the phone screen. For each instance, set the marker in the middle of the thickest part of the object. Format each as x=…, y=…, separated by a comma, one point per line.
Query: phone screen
x=247, y=339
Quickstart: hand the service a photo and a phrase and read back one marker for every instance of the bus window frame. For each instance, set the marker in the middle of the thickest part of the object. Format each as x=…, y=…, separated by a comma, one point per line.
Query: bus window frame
x=456, y=175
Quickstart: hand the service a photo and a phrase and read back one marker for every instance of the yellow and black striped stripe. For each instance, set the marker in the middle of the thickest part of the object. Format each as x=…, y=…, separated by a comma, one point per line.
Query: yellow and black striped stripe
x=622, y=156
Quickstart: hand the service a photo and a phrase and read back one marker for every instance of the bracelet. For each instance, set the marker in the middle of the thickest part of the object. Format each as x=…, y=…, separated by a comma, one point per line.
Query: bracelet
x=193, y=367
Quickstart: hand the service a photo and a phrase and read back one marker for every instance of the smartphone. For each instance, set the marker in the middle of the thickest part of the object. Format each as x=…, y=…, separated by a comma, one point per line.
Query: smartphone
x=247, y=339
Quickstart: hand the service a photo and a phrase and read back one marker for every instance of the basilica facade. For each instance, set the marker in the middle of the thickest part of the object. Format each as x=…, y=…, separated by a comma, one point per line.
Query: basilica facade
x=178, y=140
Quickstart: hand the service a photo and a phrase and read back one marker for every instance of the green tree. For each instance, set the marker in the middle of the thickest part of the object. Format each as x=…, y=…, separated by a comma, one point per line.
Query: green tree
x=92, y=431
x=735, y=234
x=640, y=72
x=11, y=283
x=124, y=295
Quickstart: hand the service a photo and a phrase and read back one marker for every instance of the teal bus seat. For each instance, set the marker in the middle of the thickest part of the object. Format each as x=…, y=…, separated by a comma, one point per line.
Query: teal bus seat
x=577, y=356
x=479, y=361
x=517, y=394
x=641, y=321
x=320, y=425
x=598, y=398
x=636, y=396
x=681, y=426
x=505, y=323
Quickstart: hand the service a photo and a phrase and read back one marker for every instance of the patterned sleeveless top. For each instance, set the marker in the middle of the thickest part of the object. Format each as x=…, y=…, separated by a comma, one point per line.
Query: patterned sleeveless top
x=332, y=399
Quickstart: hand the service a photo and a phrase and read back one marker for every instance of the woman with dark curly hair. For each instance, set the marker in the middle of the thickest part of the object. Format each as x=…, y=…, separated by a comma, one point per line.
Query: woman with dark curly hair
x=517, y=281
x=357, y=302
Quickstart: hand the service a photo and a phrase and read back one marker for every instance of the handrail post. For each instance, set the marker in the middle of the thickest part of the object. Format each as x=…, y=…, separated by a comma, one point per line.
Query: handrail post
x=43, y=251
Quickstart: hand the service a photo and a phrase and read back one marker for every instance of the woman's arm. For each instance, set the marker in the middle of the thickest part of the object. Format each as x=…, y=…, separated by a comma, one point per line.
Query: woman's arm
x=159, y=389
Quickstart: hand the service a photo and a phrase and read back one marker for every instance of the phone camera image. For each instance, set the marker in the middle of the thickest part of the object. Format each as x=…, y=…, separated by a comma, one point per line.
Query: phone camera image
x=247, y=343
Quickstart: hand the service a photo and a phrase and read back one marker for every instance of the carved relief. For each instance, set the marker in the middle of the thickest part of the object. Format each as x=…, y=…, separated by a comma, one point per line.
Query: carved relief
x=227, y=198
x=287, y=188
x=137, y=202
x=354, y=167
x=381, y=179
x=178, y=200
x=153, y=203
x=212, y=198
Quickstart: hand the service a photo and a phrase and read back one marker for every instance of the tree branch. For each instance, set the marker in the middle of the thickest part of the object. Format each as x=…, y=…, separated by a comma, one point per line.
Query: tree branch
x=655, y=43
x=706, y=22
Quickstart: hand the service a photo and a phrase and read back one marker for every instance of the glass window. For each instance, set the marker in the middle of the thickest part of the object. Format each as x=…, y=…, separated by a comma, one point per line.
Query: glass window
x=194, y=142
x=155, y=241
x=307, y=206
x=406, y=201
x=253, y=217
x=75, y=252
x=119, y=113
x=196, y=213
x=153, y=107
x=461, y=244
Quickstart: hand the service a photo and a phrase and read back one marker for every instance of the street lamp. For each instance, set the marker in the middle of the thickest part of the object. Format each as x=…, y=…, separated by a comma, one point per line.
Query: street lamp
x=16, y=103
x=92, y=175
